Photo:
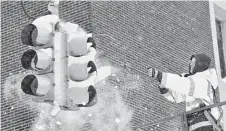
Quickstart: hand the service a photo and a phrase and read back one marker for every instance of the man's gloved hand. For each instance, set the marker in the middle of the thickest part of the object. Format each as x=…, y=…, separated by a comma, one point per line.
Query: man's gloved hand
x=155, y=73
x=152, y=72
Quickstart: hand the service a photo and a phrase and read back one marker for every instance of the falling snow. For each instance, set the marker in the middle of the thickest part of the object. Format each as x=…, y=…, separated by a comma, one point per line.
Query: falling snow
x=118, y=80
x=113, y=74
x=58, y=123
x=12, y=90
x=40, y=127
x=90, y=115
x=117, y=120
x=140, y=38
x=110, y=109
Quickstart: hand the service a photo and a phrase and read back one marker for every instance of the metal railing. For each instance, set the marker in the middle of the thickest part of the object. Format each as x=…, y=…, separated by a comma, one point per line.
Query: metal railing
x=181, y=114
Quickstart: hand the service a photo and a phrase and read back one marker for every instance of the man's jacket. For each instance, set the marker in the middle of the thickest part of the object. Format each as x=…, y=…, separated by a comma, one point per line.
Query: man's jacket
x=196, y=90
x=191, y=89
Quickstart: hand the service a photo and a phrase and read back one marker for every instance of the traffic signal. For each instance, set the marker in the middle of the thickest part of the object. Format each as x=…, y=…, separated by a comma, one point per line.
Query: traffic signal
x=81, y=70
x=38, y=58
x=61, y=57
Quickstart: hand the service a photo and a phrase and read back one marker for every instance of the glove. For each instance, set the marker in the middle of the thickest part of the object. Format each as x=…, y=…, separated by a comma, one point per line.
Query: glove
x=152, y=72
x=163, y=90
x=155, y=73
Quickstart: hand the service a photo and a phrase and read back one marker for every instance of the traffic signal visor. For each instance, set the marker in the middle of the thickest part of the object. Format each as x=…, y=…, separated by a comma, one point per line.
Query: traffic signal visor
x=78, y=44
x=37, y=85
x=37, y=60
x=39, y=33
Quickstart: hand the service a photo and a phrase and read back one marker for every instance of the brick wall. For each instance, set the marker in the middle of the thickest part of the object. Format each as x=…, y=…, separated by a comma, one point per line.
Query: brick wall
x=132, y=35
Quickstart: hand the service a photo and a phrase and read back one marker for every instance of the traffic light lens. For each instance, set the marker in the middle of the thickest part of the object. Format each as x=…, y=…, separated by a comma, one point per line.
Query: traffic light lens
x=93, y=66
x=92, y=97
x=90, y=40
x=29, y=59
x=80, y=72
x=29, y=85
x=29, y=34
x=34, y=36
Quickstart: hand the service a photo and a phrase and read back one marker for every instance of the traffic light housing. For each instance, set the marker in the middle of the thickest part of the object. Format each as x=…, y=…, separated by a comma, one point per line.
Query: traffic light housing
x=39, y=58
x=63, y=70
x=82, y=70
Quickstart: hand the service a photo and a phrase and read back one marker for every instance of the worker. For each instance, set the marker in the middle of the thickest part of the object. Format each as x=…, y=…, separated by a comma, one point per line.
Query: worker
x=196, y=89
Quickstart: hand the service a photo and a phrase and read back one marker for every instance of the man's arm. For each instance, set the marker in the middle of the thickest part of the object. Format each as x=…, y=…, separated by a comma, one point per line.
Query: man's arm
x=174, y=96
x=191, y=85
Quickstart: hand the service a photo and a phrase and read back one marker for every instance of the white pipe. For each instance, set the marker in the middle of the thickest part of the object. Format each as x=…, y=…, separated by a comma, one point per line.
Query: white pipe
x=217, y=58
x=60, y=67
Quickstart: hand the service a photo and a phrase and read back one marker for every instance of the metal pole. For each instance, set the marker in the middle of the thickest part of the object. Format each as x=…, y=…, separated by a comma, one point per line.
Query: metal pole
x=60, y=50
x=185, y=122
x=60, y=58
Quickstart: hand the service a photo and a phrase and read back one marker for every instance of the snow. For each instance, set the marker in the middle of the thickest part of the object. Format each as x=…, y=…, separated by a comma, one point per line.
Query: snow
x=58, y=123
x=117, y=120
x=118, y=79
x=90, y=115
x=110, y=109
x=40, y=127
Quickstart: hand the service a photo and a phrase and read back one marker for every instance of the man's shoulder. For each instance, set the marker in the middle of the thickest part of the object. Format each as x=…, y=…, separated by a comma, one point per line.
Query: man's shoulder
x=211, y=71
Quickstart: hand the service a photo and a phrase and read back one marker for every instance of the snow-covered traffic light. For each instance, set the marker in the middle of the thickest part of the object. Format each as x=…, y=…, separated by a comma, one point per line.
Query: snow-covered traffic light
x=39, y=58
x=61, y=57
x=81, y=70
